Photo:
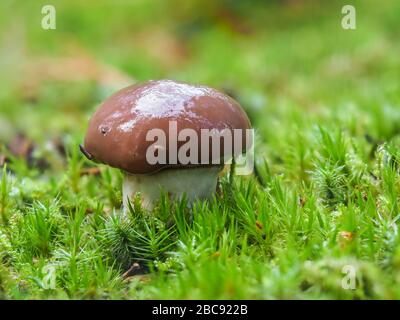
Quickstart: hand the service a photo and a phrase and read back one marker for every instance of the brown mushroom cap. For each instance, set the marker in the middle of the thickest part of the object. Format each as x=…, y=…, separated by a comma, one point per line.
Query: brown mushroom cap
x=117, y=131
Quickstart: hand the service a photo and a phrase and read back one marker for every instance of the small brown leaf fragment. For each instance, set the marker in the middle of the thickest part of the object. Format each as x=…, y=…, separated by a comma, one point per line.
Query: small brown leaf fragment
x=259, y=225
x=302, y=201
x=94, y=171
x=346, y=235
x=21, y=146
x=135, y=269
x=344, y=238
x=216, y=254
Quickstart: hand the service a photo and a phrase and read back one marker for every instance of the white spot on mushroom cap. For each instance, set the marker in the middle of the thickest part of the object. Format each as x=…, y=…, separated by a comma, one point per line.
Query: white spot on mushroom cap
x=168, y=98
x=116, y=115
x=127, y=126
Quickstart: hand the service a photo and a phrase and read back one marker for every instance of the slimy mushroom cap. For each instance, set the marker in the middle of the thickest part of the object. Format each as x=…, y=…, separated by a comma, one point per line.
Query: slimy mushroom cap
x=116, y=134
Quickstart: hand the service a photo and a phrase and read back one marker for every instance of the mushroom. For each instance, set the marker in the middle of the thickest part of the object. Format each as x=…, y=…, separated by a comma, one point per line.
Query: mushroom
x=153, y=132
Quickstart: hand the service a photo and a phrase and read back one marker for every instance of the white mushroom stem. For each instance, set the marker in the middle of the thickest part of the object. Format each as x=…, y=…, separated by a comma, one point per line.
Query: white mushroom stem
x=195, y=183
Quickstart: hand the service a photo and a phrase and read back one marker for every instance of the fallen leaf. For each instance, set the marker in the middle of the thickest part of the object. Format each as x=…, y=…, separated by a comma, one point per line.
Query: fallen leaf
x=302, y=201
x=216, y=254
x=94, y=171
x=259, y=225
x=346, y=235
x=21, y=147
x=345, y=238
